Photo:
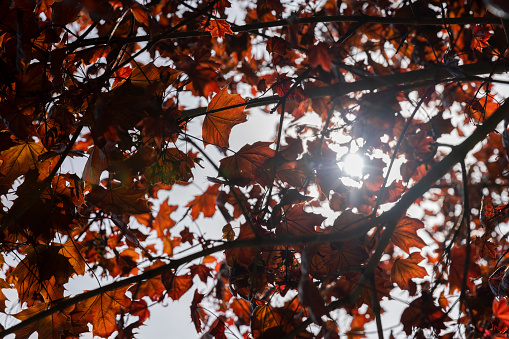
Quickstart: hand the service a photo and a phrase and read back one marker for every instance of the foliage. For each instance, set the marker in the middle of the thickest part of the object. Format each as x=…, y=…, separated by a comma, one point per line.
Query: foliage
x=408, y=86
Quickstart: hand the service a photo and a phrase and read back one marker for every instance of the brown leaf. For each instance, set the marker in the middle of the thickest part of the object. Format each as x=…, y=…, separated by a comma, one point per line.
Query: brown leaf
x=217, y=126
x=204, y=203
x=101, y=311
x=177, y=286
x=405, y=269
x=240, y=168
x=119, y=200
x=18, y=160
x=405, y=234
x=163, y=222
x=51, y=327
x=310, y=297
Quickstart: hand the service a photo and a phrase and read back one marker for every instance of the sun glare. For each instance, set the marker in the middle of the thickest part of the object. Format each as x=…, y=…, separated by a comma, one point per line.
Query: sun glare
x=353, y=165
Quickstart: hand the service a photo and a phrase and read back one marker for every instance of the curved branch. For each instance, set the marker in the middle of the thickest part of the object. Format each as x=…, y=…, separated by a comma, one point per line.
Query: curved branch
x=437, y=74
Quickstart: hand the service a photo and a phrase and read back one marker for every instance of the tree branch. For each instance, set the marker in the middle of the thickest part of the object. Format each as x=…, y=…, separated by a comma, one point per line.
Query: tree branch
x=363, y=19
x=439, y=73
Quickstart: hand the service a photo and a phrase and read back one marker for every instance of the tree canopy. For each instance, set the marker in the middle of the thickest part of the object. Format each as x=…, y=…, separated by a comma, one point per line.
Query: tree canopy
x=411, y=90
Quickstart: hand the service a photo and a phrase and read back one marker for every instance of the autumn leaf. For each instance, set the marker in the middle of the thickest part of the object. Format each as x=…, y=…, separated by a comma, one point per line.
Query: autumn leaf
x=121, y=75
x=163, y=221
x=319, y=55
x=18, y=160
x=299, y=222
x=96, y=164
x=228, y=232
x=218, y=28
x=310, y=297
x=204, y=203
x=177, y=286
x=481, y=35
x=218, y=125
x=405, y=234
x=152, y=288
x=202, y=271
x=101, y=311
x=141, y=13
x=457, y=268
x=242, y=256
x=45, y=270
x=405, y=269
x=501, y=309
x=119, y=200
x=241, y=167
x=276, y=45
x=197, y=313
x=485, y=247
x=172, y=166
x=169, y=244
x=263, y=319
x=51, y=327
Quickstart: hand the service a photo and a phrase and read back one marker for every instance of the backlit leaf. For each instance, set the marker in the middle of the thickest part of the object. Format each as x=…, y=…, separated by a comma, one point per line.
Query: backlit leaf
x=218, y=28
x=204, y=203
x=176, y=285
x=119, y=200
x=405, y=269
x=18, y=160
x=405, y=234
x=217, y=126
x=101, y=311
x=241, y=167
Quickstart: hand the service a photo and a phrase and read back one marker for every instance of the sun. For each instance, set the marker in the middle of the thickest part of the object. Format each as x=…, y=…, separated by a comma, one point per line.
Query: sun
x=353, y=165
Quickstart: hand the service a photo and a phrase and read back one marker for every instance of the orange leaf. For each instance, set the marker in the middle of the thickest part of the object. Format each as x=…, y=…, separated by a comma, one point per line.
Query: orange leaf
x=197, y=313
x=44, y=270
x=162, y=221
x=204, y=203
x=141, y=13
x=121, y=75
x=169, y=244
x=177, y=286
x=480, y=37
x=152, y=288
x=405, y=234
x=501, y=309
x=218, y=28
x=101, y=311
x=217, y=126
x=241, y=167
x=319, y=55
x=264, y=318
x=96, y=164
x=18, y=160
x=485, y=247
x=51, y=326
x=405, y=269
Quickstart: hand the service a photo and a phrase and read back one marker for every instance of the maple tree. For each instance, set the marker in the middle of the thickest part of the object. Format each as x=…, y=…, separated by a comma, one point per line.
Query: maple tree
x=413, y=88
